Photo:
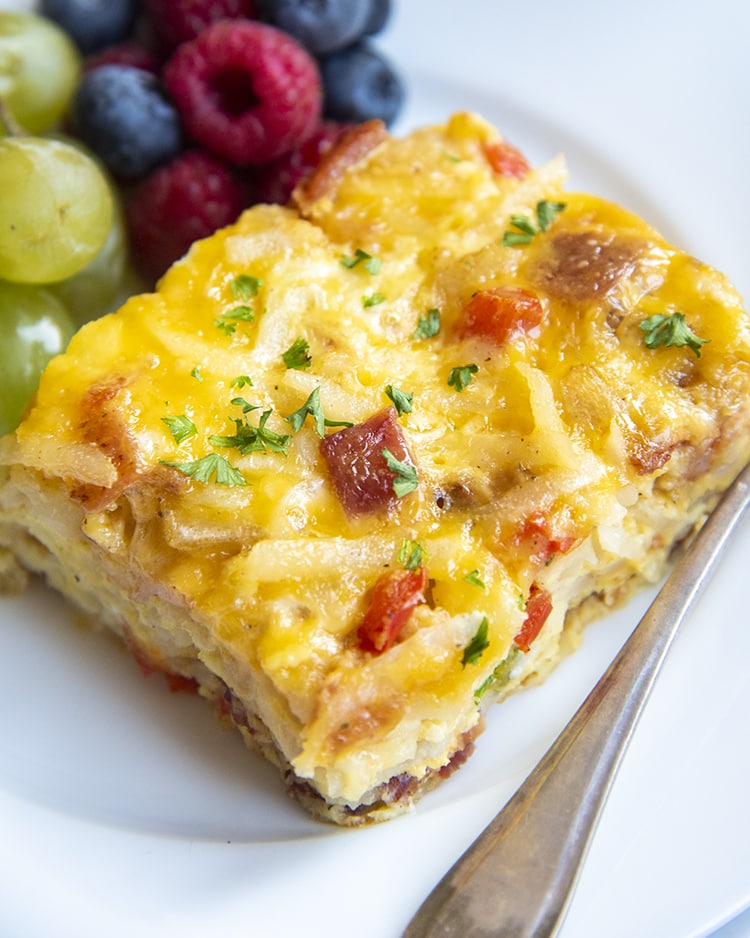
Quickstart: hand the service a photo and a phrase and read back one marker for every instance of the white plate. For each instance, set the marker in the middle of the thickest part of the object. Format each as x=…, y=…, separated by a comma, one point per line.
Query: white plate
x=125, y=811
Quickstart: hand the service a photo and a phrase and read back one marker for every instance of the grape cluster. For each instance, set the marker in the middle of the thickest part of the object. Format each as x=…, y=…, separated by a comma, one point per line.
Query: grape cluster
x=130, y=128
x=57, y=209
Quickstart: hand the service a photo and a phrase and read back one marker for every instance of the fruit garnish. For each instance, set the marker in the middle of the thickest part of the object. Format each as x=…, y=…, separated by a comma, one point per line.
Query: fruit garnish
x=175, y=23
x=122, y=114
x=275, y=183
x=125, y=53
x=55, y=209
x=98, y=288
x=320, y=27
x=246, y=91
x=360, y=84
x=39, y=67
x=380, y=12
x=92, y=25
x=34, y=326
x=187, y=199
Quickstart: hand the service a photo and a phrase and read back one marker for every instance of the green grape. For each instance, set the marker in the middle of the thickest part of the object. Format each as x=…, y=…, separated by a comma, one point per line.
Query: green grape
x=39, y=67
x=100, y=286
x=34, y=326
x=55, y=210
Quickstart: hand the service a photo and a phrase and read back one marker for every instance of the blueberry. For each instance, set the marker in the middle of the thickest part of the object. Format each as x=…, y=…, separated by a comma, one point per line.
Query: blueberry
x=121, y=113
x=359, y=84
x=321, y=26
x=380, y=13
x=92, y=24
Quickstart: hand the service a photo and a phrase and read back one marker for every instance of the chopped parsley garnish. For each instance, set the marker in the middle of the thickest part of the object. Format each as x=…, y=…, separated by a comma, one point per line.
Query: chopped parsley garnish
x=374, y=299
x=297, y=356
x=246, y=407
x=527, y=228
x=370, y=263
x=313, y=407
x=451, y=156
x=227, y=322
x=460, y=377
x=428, y=326
x=242, y=381
x=245, y=287
x=402, y=400
x=547, y=212
x=670, y=330
x=478, y=645
x=474, y=579
x=411, y=554
x=501, y=675
x=196, y=373
x=180, y=426
x=250, y=439
x=406, y=475
x=212, y=466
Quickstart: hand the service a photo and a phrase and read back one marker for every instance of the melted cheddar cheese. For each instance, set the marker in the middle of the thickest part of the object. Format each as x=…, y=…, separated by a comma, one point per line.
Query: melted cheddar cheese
x=566, y=462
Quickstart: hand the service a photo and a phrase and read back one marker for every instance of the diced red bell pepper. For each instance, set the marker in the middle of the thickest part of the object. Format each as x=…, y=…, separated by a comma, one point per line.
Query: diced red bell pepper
x=535, y=535
x=538, y=608
x=500, y=313
x=505, y=159
x=394, y=597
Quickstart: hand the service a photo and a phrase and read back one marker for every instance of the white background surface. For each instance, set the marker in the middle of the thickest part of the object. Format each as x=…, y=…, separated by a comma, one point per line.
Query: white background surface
x=124, y=810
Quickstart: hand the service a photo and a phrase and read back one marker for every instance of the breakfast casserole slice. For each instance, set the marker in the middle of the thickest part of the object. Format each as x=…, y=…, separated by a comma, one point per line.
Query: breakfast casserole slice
x=364, y=464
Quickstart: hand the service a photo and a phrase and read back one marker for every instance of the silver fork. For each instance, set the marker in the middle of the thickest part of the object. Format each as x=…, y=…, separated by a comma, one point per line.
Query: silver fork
x=517, y=878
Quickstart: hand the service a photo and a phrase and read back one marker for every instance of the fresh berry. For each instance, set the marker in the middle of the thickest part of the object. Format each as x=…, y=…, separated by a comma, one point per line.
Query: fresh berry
x=121, y=113
x=125, y=53
x=275, y=183
x=246, y=91
x=379, y=16
x=187, y=199
x=360, y=84
x=178, y=21
x=92, y=24
x=322, y=26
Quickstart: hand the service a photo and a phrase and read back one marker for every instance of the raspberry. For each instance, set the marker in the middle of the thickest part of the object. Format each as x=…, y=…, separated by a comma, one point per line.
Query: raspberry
x=178, y=21
x=182, y=201
x=246, y=91
x=276, y=182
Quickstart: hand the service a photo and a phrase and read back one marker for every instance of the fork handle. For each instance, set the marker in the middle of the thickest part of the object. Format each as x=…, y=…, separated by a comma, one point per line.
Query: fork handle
x=516, y=879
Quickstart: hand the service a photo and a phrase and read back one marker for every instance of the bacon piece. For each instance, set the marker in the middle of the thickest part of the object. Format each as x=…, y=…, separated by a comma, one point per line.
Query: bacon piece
x=505, y=159
x=465, y=750
x=356, y=466
x=351, y=147
x=500, y=313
